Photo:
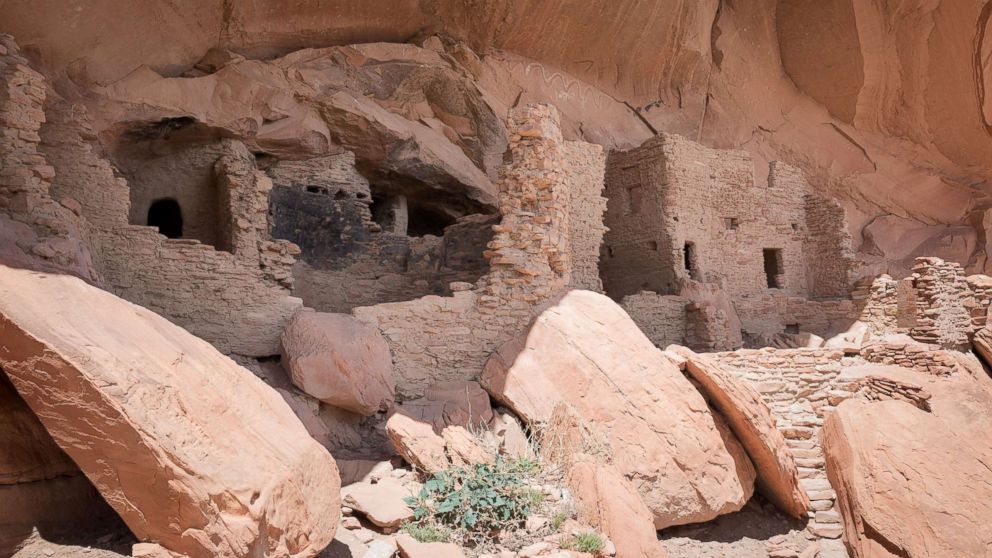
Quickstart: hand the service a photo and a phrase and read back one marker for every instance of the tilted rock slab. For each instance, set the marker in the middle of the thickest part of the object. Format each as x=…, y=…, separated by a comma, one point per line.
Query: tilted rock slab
x=752, y=422
x=586, y=351
x=340, y=360
x=909, y=483
x=193, y=451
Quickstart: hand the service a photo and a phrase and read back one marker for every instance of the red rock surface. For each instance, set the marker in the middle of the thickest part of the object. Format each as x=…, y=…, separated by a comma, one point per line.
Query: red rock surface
x=912, y=483
x=585, y=351
x=191, y=450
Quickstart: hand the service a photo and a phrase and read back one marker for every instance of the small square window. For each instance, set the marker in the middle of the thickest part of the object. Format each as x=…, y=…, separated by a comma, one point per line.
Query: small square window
x=653, y=245
x=731, y=223
x=795, y=227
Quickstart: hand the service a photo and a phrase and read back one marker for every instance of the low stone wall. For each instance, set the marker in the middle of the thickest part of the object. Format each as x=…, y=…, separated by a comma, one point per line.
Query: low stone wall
x=772, y=313
x=209, y=292
x=911, y=355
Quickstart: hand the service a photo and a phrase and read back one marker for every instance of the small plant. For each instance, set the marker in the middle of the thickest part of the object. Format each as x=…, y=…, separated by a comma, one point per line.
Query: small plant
x=590, y=543
x=477, y=502
x=427, y=533
x=558, y=520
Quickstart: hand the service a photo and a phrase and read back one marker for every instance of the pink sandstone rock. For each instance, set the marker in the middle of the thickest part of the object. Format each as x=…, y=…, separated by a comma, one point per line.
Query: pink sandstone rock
x=461, y=403
x=610, y=503
x=585, y=351
x=340, y=361
x=910, y=484
x=416, y=442
x=382, y=503
x=752, y=422
x=192, y=451
x=410, y=548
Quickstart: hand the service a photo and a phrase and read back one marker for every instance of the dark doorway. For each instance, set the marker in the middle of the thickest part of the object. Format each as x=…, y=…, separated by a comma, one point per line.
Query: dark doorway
x=690, y=260
x=773, y=267
x=166, y=215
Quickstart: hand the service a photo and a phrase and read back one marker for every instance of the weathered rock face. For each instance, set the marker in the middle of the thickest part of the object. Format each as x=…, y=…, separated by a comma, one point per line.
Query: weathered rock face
x=753, y=424
x=192, y=451
x=909, y=483
x=585, y=351
x=340, y=361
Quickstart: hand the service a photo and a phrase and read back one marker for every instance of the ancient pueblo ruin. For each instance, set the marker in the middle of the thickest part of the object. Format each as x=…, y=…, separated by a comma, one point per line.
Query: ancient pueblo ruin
x=507, y=279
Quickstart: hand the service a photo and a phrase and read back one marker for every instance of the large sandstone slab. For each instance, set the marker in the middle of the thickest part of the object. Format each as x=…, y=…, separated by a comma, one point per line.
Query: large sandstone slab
x=909, y=483
x=752, y=422
x=585, y=351
x=192, y=451
x=339, y=360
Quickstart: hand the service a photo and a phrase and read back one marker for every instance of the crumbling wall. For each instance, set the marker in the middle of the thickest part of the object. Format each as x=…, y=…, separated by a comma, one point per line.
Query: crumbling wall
x=36, y=231
x=944, y=301
x=772, y=313
x=436, y=338
x=662, y=318
x=879, y=304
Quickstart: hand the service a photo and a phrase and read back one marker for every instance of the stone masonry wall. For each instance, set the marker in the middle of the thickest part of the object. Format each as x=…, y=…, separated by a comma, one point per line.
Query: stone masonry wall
x=632, y=258
x=587, y=206
x=36, y=230
x=944, y=301
x=662, y=318
x=437, y=338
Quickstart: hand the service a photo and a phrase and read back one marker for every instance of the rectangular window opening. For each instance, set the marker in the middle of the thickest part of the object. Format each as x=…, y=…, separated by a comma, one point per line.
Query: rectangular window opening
x=731, y=223
x=774, y=268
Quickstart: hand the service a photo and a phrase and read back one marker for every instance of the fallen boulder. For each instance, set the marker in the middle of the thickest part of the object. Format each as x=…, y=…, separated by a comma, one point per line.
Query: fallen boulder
x=909, y=484
x=586, y=351
x=339, y=360
x=194, y=452
x=416, y=442
x=382, y=503
x=610, y=503
x=753, y=424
